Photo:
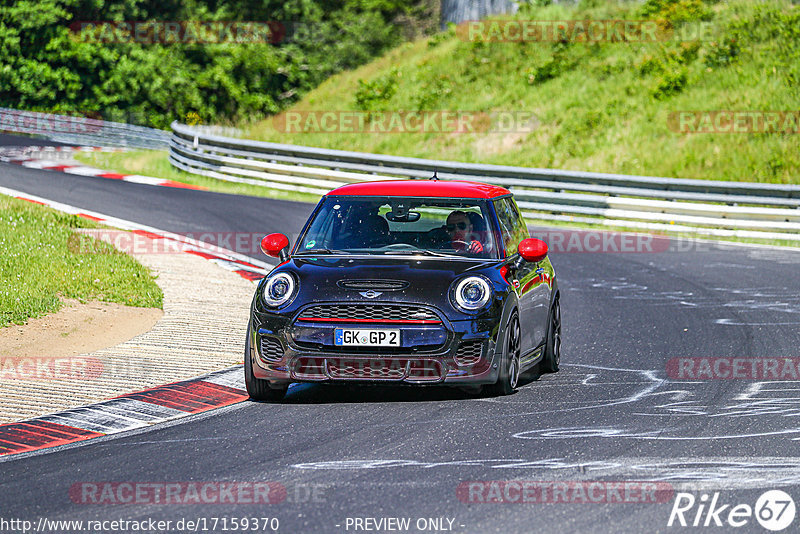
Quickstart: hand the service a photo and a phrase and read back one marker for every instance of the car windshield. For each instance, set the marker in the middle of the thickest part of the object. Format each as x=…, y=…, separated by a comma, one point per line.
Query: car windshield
x=430, y=226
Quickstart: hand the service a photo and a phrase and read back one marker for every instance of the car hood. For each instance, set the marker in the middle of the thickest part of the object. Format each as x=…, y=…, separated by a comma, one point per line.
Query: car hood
x=351, y=278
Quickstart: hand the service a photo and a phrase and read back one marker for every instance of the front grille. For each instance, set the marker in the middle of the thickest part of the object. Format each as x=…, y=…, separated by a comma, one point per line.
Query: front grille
x=366, y=369
x=271, y=349
x=414, y=370
x=369, y=312
x=376, y=285
x=469, y=353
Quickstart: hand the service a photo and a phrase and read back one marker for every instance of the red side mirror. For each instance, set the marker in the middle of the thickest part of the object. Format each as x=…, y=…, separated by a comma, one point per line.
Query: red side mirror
x=532, y=249
x=274, y=244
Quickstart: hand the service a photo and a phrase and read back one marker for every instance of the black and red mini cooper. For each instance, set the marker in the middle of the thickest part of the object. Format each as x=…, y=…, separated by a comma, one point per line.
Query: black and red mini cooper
x=412, y=282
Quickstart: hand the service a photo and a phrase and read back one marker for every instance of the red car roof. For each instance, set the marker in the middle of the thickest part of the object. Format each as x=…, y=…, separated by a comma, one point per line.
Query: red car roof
x=422, y=188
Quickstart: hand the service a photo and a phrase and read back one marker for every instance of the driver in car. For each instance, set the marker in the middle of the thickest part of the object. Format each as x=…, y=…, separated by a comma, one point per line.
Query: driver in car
x=460, y=229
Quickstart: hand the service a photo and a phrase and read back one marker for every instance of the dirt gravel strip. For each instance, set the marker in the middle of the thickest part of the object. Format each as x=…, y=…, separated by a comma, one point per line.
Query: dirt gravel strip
x=206, y=306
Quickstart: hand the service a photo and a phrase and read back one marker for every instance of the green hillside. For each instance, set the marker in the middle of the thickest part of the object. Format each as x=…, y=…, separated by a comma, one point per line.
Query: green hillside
x=608, y=106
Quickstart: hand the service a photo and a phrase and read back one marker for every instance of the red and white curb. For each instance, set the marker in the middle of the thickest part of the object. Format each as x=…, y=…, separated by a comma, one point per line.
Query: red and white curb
x=34, y=158
x=246, y=267
x=127, y=412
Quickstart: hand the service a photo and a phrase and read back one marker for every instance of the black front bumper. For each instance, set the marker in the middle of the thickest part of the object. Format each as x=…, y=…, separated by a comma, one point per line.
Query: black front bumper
x=453, y=352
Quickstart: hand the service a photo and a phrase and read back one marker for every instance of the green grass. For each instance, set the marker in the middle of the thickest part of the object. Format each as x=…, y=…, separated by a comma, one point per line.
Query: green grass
x=600, y=107
x=156, y=163
x=38, y=266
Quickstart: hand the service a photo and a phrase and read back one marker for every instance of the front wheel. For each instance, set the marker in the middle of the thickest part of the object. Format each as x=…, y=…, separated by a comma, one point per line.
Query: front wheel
x=259, y=390
x=552, y=351
x=509, y=364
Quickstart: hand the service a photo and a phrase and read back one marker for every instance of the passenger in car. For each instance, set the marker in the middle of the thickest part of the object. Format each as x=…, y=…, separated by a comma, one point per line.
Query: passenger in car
x=373, y=231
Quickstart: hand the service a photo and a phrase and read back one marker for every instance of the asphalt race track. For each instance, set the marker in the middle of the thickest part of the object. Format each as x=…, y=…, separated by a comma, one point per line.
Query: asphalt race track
x=615, y=412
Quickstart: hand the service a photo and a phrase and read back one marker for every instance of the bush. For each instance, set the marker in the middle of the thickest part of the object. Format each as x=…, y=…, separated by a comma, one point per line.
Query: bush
x=373, y=95
x=670, y=83
x=721, y=54
x=44, y=66
x=433, y=90
x=676, y=11
x=559, y=63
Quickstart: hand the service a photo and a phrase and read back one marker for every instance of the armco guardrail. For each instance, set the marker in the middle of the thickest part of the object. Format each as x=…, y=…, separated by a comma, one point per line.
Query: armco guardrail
x=81, y=130
x=700, y=206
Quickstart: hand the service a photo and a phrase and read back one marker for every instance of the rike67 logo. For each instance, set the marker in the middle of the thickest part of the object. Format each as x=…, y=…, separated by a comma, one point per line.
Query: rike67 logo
x=774, y=510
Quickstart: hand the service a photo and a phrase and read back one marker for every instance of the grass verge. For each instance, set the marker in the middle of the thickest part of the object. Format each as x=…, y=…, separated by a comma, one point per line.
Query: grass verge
x=37, y=266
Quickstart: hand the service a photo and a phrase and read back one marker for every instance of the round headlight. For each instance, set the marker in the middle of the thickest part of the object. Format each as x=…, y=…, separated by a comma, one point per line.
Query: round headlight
x=472, y=293
x=279, y=289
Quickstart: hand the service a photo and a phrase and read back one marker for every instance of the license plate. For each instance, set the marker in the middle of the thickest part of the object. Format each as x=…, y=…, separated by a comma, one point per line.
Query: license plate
x=360, y=337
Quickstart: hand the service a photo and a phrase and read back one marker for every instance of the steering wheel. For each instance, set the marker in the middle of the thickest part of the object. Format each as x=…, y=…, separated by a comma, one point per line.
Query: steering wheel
x=459, y=245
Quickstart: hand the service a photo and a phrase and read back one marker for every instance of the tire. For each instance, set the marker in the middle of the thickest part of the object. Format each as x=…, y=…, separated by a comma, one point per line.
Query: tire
x=552, y=350
x=510, y=362
x=259, y=390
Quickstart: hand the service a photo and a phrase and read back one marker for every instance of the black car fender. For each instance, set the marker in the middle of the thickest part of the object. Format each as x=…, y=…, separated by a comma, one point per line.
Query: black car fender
x=511, y=304
x=554, y=294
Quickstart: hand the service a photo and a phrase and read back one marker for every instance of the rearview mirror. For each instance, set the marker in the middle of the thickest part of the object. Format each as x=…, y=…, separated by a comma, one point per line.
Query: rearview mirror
x=409, y=216
x=275, y=245
x=532, y=249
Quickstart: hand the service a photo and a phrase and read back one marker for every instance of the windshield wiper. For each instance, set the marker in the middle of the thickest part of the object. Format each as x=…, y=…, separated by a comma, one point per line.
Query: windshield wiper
x=421, y=252
x=321, y=251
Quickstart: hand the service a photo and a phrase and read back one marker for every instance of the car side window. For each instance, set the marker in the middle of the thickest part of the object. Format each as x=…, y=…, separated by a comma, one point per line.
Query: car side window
x=512, y=225
x=520, y=225
x=323, y=227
